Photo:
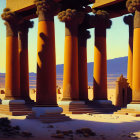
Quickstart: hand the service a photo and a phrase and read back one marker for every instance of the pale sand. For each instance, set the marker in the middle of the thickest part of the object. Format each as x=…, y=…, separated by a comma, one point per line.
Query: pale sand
x=108, y=127
x=111, y=94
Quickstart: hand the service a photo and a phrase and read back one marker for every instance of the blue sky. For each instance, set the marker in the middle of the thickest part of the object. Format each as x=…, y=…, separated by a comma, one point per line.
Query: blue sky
x=117, y=41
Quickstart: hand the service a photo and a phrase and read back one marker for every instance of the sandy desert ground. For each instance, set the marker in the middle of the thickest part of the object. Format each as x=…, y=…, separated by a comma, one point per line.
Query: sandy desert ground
x=111, y=84
x=105, y=126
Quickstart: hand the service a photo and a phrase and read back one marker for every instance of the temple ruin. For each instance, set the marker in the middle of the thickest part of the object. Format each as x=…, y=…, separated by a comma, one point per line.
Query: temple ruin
x=74, y=14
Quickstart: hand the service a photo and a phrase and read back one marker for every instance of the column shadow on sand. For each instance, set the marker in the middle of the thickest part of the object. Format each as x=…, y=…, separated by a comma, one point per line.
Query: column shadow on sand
x=103, y=130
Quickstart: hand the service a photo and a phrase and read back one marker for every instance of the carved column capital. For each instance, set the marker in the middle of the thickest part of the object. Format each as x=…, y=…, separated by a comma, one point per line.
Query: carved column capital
x=133, y=6
x=23, y=29
x=83, y=34
x=72, y=19
x=101, y=19
x=47, y=9
x=24, y=26
x=129, y=20
x=11, y=22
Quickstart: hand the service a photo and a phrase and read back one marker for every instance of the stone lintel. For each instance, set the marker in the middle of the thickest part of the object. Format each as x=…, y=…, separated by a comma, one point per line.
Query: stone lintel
x=20, y=5
x=115, y=8
x=103, y=3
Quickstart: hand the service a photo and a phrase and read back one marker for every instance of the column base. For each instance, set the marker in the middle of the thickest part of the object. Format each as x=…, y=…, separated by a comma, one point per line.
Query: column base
x=14, y=108
x=135, y=102
x=131, y=109
x=29, y=101
x=48, y=114
x=46, y=110
x=71, y=102
x=75, y=107
x=102, y=102
x=134, y=106
x=13, y=102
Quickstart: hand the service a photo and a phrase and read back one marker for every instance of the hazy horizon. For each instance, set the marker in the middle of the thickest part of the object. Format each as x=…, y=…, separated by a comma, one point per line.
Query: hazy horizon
x=115, y=67
x=117, y=41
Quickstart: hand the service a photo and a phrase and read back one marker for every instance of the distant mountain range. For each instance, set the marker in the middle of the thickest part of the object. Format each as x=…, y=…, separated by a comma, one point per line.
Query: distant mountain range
x=115, y=67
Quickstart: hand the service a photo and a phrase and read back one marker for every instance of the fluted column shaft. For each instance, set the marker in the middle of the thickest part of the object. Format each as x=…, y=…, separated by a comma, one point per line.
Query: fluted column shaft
x=136, y=58
x=12, y=81
x=46, y=63
x=72, y=19
x=23, y=52
x=70, y=85
x=133, y=6
x=129, y=21
x=130, y=57
x=82, y=64
x=100, y=64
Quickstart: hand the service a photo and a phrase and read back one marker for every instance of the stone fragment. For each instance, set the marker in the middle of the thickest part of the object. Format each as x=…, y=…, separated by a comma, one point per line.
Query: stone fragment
x=26, y=134
x=60, y=135
x=50, y=126
x=2, y=92
x=85, y=132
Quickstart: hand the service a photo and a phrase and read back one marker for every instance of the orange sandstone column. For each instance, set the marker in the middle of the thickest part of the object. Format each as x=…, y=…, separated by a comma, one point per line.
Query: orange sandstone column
x=46, y=103
x=70, y=83
x=23, y=51
x=12, y=82
x=134, y=7
x=129, y=21
x=136, y=60
x=100, y=58
x=46, y=64
x=100, y=64
x=83, y=35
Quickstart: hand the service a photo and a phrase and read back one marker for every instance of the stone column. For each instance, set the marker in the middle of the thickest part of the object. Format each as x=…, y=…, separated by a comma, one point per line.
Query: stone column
x=83, y=35
x=46, y=63
x=100, y=65
x=134, y=6
x=23, y=52
x=129, y=21
x=71, y=83
x=46, y=102
x=100, y=58
x=12, y=82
